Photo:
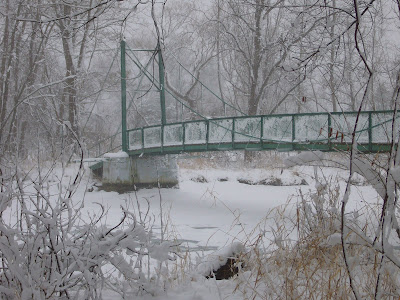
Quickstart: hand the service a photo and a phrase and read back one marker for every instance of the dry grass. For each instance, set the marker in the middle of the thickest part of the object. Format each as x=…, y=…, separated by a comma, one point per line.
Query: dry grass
x=305, y=258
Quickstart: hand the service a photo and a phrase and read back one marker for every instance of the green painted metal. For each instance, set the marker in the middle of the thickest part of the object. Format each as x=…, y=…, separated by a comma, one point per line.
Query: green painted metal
x=152, y=79
x=370, y=130
x=312, y=131
x=293, y=128
x=282, y=132
x=330, y=131
x=123, y=96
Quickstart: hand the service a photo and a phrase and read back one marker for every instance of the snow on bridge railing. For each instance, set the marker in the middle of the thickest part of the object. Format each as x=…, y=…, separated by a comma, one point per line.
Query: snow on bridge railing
x=308, y=131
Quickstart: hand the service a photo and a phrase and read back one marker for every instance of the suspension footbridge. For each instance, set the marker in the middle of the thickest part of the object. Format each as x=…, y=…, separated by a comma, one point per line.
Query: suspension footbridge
x=325, y=131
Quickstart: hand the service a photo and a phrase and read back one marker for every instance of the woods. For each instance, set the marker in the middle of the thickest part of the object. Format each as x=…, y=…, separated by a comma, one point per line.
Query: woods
x=262, y=57
x=60, y=103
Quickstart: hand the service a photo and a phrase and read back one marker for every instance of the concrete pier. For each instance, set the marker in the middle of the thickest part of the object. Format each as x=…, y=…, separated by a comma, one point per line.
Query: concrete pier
x=130, y=173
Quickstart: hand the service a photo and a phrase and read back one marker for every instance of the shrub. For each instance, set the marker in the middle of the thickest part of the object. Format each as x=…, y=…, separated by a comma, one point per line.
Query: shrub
x=49, y=250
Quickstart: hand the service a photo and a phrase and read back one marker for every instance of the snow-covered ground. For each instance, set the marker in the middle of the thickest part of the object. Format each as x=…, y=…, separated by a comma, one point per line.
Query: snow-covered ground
x=205, y=215
x=213, y=208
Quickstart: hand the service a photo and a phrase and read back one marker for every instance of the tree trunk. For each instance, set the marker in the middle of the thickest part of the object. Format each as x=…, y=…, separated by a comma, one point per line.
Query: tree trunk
x=255, y=95
x=70, y=92
x=332, y=60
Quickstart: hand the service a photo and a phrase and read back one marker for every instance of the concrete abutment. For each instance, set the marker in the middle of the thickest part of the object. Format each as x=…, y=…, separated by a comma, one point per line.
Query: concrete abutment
x=130, y=173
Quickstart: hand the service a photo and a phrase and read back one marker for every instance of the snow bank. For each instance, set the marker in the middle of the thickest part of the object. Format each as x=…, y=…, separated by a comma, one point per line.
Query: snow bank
x=161, y=252
x=303, y=158
x=219, y=258
x=119, y=154
x=365, y=169
x=256, y=176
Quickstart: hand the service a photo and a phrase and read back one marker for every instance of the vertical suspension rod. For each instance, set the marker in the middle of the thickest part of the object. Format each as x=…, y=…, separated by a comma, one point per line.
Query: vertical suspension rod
x=123, y=96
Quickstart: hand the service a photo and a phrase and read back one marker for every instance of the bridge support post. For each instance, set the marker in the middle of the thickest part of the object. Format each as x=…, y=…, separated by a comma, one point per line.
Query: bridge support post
x=131, y=173
x=123, y=97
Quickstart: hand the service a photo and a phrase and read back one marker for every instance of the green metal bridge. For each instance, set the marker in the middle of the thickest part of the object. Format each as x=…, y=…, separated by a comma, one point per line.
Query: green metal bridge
x=327, y=131
x=286, y=132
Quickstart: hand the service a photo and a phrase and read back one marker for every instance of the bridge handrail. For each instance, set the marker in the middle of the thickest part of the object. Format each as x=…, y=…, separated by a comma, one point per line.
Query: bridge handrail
x=325, y=131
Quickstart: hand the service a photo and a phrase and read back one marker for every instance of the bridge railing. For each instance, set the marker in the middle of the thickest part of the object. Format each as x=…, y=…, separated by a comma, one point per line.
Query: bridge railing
x=311, y=131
